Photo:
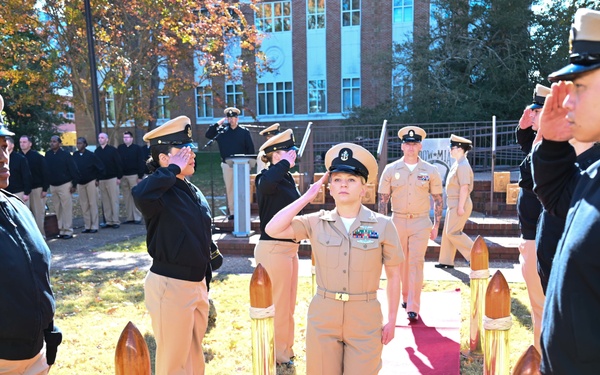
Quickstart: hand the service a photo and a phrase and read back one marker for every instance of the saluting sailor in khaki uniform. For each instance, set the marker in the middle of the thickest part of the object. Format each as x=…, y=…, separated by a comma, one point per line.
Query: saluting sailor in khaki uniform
x=268, y=133
x=410, y=182
x=459, y=185
x=345, y=333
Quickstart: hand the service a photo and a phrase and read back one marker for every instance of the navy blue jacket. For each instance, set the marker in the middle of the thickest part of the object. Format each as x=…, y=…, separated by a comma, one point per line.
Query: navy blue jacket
x=275, y=189
x=40, y=174
x=570, y=335
x=178, y=224
x=62, y=168
x=26, y=300
x=132, y=158
x=20, y=174
x=113, y=166
x=89, y=166
x=529, y=207
x=231, y=141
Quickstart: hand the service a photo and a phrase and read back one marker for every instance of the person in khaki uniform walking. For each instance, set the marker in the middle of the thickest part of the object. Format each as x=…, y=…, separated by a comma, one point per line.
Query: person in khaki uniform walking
x=275, y=189
x=345, y=332
x=459, y=185
x=410, y=182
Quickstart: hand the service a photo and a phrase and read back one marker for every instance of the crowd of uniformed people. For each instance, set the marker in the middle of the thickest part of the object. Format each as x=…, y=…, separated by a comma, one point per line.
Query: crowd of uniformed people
x=558, y=207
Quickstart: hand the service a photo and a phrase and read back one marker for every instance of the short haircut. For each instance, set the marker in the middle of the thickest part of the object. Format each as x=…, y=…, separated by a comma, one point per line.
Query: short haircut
x=128, y=133
x=83, y=140
x=10, y=139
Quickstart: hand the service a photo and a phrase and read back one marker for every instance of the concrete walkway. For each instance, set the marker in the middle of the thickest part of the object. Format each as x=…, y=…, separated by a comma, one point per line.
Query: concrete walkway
x=81, y=253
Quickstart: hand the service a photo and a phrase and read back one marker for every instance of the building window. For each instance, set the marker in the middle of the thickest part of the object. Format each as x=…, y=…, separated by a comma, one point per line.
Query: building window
x=403, y=11
x=275, y=98
x=401, y=89
x=350, y=12
x=315, y=14
x=317, y=96
x=109, y=103
x=234, y=96
x=204, y=102
x=350, y=93
x=163, y=111
x=274, y=16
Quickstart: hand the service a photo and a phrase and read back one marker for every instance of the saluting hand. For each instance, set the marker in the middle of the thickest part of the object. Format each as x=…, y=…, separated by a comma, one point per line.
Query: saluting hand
x=554, y=125
x=526, y=120
x=182, y=158
x=313, y=190
x=290, y=156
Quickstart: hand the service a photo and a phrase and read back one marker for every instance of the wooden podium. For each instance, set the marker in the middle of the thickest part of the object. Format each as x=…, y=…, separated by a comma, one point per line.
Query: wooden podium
x=241, y=165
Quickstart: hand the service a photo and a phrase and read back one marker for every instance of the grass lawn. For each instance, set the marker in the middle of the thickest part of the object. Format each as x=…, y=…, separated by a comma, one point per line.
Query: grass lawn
x=93, y=307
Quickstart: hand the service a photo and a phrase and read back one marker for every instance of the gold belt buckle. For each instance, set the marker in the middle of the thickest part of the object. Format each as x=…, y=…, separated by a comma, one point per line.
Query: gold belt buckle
x=342, y=297
x=410, y=216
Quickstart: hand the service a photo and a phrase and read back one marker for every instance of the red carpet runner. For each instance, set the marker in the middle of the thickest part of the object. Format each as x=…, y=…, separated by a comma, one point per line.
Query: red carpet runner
x=430, y=346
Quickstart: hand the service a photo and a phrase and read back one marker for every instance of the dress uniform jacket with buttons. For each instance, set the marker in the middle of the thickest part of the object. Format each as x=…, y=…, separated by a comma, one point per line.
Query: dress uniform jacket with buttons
x=570, y=336
x=529, y=207
x=178, y=223
x=349, y=262
x=410, y=191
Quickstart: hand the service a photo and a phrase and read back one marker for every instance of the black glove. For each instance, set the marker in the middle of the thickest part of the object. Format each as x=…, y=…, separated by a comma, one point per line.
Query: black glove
x=53, y=338
x=216, y=259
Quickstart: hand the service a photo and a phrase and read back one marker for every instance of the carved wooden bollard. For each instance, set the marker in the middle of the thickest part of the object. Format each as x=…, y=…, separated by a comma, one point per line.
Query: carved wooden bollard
x=528, y=363
x=132, y=356
x=497, y=323
x=262, y=313
x=480, y=273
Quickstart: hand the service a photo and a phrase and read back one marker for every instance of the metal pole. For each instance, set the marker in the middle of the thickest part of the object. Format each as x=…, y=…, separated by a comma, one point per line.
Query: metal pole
x=93, y=68
x=493, y=164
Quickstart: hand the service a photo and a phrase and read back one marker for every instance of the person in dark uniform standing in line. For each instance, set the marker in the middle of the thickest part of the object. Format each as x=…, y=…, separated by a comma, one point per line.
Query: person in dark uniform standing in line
x=412, y=183
x=90, y=170
x=64, y=177
x=529, y=209
x=133, y=172
x=550, y=227
x=28, y=338
x=345, y=331
x=232, y=139
x=275, y=189
x=20, y=174
x=109, y=183
x=40, y=180
x=178, y=221
x=571, y=329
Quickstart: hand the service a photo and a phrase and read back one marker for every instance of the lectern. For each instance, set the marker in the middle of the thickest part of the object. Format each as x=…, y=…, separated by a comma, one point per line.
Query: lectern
x=241, y=165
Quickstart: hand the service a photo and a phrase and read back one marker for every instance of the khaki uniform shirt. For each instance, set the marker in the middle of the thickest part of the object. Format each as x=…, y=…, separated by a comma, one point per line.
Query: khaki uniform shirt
x=410, y=191
x=460, y=174
x=349, y=262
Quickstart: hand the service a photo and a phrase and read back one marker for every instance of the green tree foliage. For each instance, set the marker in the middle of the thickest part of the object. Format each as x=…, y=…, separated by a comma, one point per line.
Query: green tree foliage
x=550, y=36
x=29, y=79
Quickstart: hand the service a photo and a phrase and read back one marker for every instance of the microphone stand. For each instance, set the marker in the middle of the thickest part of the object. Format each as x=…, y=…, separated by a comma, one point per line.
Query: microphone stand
x=212, y=180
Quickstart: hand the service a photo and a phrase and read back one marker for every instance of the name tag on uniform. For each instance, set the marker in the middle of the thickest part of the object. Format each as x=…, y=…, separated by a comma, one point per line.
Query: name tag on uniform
x=397, y=176
x=423, y=177
x=366, y=234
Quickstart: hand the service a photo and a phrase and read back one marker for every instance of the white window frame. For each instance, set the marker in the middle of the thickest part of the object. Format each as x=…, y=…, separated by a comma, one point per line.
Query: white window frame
x=234, y=96
x=315, y=15
x=401, y=9
x=275, y=98
x=351, y=93
x=317, y=96
x=351, y=13
x=274, y=16
x=204, y=102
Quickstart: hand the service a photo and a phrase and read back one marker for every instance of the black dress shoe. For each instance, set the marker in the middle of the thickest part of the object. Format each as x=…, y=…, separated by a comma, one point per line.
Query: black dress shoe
x=230, y=217
x=115, y=226
x=67, y=236
x=137, y=221
x=93, y=230
x=103, y=225
x=413, y=316
x=59, y=236
x=86, y=231
x=403, y=305
x=444, y=266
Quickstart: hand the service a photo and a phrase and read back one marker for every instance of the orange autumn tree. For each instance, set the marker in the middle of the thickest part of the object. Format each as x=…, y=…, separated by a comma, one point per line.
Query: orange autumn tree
x=146, y=49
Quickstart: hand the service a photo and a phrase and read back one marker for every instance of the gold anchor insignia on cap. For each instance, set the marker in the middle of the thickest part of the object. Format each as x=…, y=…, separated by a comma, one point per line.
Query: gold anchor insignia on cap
x=344, y=155
x=411, y=133
x=572, y=38
x=189, y=131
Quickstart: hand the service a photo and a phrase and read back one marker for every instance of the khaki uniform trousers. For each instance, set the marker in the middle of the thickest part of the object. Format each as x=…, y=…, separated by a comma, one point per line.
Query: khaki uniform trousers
x=414, y=238
x=453, y=236
x=34, y=366
x=280, y=259
x=63, y=206
x=343, y=337
x=37, y=205
x=21, y=194
x=528, y=261
x=127, y=183
x=109, y=195
x=179, y=313
x=88, y=200
x=228, y=179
